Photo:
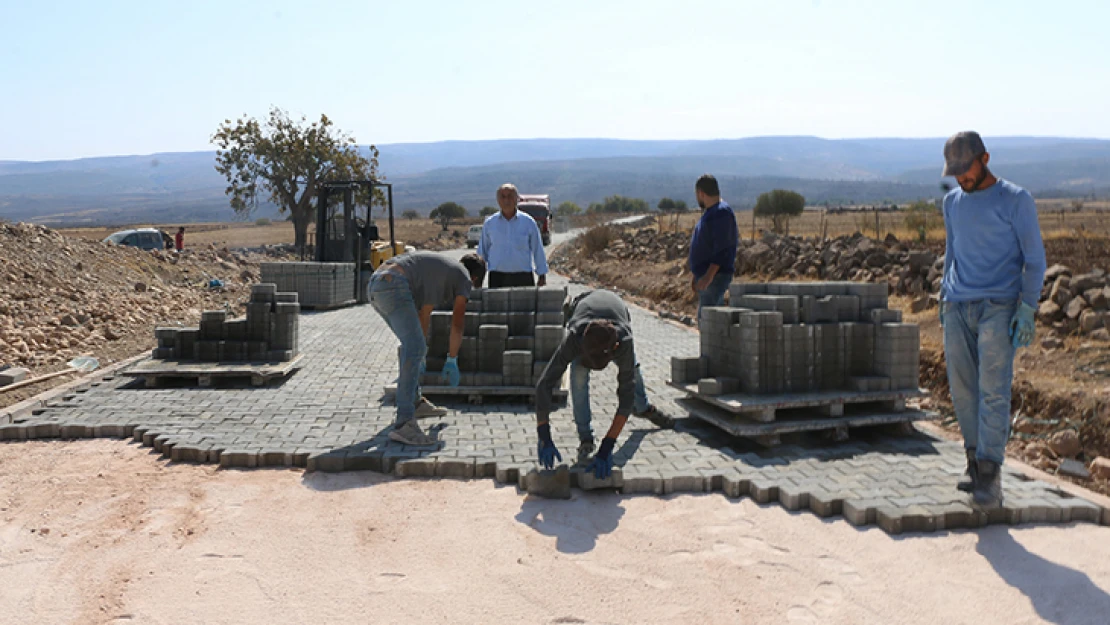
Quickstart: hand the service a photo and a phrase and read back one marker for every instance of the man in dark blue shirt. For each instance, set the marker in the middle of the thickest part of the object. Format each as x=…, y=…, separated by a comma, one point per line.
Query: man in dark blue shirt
x=713, y=247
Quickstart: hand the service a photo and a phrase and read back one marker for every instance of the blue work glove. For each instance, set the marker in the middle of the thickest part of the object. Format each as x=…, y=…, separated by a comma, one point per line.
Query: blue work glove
x=941, y=309
x=602, y=464
x=1022, y=329
x=450, y=371
x=546, y=448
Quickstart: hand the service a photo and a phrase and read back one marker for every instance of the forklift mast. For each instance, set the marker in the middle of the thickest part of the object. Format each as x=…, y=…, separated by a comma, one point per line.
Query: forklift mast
x=346, y=233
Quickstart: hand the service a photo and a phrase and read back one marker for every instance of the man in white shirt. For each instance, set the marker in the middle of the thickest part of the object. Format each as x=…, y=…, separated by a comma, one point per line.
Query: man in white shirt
x=511, y=244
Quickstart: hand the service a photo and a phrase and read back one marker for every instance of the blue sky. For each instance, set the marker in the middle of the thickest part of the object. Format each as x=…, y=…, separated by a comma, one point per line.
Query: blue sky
x=105, y=78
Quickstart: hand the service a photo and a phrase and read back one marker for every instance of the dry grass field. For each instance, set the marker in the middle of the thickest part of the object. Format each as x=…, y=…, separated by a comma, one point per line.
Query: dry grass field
x=250, y=234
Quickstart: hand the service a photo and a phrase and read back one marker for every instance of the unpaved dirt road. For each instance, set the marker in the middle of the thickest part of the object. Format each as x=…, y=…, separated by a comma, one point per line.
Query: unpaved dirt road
x=102, y=531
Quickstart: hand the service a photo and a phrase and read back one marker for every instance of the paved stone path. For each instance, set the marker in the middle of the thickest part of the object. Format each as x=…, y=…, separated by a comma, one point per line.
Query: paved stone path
x=332, y=416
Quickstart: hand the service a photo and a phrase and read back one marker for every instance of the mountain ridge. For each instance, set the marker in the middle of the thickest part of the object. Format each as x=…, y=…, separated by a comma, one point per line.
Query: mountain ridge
x=185, y=184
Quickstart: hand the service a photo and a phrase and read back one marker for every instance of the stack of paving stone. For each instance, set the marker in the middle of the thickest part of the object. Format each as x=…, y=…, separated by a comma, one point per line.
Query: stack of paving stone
x=318, y=285
x=786, y=337
x=509, y=335
x=269, y=332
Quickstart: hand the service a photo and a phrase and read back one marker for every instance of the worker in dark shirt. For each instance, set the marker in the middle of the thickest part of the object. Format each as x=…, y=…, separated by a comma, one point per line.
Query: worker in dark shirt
x=599, y=330
x=405, y=290
x=179, y=239
x=713, y=247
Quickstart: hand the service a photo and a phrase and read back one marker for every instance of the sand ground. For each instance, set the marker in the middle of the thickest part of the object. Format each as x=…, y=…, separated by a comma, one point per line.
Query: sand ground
x=102, y=531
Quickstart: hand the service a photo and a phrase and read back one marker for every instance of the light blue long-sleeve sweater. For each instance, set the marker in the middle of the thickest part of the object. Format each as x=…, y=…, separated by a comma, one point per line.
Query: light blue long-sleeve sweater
x=994, y=247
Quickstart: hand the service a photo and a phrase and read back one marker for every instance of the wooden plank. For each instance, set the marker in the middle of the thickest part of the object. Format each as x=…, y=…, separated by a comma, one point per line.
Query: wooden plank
x=173, y=368
x=738, y=403
x=740, y=426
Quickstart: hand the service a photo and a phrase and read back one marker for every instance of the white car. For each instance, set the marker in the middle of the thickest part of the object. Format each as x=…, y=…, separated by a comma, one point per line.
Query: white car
x=474, y=236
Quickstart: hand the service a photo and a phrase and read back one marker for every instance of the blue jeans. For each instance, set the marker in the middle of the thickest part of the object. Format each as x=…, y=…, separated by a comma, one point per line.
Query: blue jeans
x=391, y=296
x=580, y=398
x=714, y=294
x=980, y=358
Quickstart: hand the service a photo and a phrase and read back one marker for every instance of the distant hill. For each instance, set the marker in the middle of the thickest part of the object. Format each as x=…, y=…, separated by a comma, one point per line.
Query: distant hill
x=587, y=180
x=185, y=186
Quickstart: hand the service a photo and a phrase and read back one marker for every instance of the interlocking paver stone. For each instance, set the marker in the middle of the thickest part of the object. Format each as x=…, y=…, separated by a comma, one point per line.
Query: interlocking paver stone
x=332, y=415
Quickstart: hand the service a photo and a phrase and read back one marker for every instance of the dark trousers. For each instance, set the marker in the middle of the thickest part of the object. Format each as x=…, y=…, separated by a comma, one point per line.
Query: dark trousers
x=501, y=279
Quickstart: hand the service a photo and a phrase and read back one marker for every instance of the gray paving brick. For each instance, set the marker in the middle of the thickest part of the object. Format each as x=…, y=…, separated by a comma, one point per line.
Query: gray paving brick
x=329, y=416
x=415, y=467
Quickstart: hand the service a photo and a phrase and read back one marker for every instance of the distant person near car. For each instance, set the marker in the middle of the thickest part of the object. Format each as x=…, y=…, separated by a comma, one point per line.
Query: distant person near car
x=179, y=239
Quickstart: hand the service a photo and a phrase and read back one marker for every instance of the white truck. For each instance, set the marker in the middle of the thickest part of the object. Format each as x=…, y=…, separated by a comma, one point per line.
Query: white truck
x=474, y=236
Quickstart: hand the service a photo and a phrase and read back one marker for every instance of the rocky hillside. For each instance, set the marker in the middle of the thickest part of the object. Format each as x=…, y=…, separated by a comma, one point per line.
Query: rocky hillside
x=1071, y=302
x=62, y=297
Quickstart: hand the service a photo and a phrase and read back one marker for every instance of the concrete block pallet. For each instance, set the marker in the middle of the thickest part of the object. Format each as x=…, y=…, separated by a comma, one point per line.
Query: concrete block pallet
x=814, y=347
x=261, y=346
x=509, y=335
x=319, y=286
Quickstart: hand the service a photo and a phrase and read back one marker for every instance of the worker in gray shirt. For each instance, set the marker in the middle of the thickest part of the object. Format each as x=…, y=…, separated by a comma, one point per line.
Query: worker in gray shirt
x=599, y=330
x=405, y=290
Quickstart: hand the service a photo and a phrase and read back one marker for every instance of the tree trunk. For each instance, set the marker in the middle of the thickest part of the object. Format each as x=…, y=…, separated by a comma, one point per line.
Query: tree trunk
x=301, y=219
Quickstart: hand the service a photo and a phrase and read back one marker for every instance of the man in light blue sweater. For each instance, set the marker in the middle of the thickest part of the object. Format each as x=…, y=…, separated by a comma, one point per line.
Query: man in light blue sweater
x=994, y=268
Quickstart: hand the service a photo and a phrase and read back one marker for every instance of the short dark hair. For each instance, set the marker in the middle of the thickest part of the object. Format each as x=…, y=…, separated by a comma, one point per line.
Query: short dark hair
x=598, y=342
x=707, y=184
x=475, y=266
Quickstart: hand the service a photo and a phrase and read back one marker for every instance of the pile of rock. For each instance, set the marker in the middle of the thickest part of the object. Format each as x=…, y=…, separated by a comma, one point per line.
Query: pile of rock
x=1076, y=303
x=275, y=250
x=1069, y=303
x=915, y=272
x=62, y=296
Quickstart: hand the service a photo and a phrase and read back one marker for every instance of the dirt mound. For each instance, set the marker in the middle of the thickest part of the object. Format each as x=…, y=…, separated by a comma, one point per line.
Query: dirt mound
x=61, y=297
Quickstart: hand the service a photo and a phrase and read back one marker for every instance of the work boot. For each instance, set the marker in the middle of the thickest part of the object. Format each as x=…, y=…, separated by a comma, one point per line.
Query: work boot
x=967, y=482
x=658, y=417
x=425, y=408
x=585, y=450
x=409, y=433
x=988, y=485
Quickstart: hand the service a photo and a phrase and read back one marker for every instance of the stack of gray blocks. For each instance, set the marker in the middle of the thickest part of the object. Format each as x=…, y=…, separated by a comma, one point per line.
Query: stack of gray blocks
x=509, y=336
x=269, y=332
x=318, y=285
x=785, y=337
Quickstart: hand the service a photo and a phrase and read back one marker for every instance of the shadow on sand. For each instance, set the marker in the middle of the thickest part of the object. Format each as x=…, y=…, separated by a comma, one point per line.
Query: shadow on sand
x=1059, y=594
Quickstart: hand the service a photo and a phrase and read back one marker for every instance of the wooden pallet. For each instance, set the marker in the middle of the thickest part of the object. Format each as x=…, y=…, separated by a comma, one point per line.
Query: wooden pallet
x=763, y=408
x=154, y=372
x=798, y=420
